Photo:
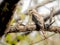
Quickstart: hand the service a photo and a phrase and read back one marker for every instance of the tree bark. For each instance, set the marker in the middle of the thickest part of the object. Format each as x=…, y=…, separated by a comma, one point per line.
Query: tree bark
x=6, y=11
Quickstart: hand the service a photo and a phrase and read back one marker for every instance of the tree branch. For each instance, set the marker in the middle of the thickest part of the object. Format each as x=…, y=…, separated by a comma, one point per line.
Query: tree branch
x=42, y=3
x=54, y=29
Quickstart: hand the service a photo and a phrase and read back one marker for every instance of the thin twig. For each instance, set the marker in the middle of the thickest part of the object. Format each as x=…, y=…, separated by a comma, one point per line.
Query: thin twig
x=43, y=39
x=54, y=14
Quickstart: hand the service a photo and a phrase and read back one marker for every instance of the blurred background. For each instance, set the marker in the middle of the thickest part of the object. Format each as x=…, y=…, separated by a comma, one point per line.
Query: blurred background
x=35, y=37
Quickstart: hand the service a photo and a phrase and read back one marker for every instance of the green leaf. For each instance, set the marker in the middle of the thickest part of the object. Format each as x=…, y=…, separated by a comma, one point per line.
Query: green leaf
x=8, y=38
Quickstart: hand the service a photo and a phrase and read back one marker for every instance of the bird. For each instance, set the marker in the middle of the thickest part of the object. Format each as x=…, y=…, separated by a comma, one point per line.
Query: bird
x=38, y=19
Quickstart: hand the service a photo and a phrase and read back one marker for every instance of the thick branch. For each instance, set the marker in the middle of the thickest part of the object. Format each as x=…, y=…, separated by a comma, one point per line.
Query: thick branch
x=54, y=29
